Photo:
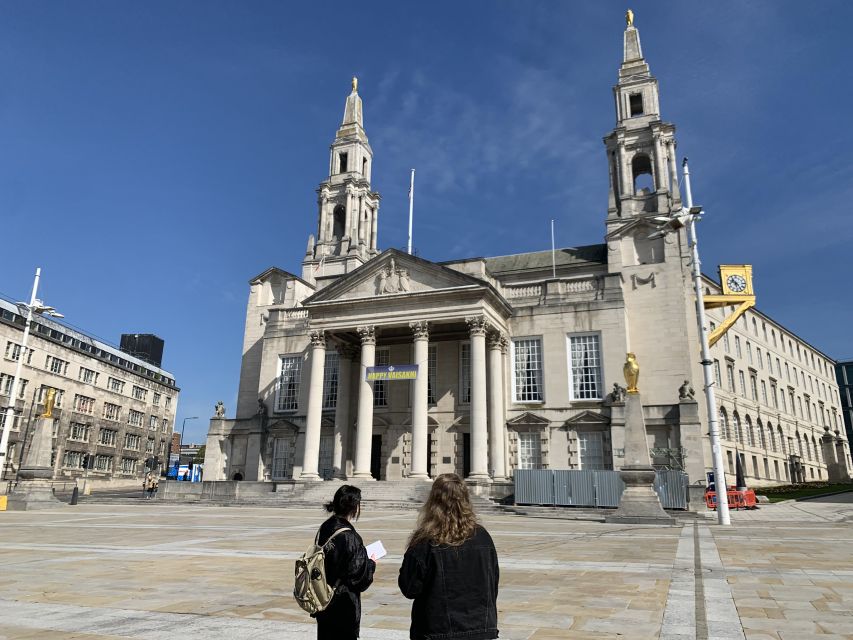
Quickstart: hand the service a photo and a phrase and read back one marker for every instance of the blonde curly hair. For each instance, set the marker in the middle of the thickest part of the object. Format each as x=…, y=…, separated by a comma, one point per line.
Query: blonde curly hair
x=447, y=517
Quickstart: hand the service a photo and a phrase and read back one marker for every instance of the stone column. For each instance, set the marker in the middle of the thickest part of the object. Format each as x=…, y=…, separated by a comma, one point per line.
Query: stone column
x=673, y=171
x=349, y=212
x=497, y=344
x=479, y=429
x=374, y=227
x=311, y=457
x=661, y=182
x=346, y=354
x=364, y=430
x=420, y=392
x=626, y=174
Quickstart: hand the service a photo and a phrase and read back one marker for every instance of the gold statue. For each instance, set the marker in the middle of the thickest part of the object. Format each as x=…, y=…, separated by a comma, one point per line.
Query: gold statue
x=48, y=404
x=632, y=373
x=354, y=84
x=629, y=18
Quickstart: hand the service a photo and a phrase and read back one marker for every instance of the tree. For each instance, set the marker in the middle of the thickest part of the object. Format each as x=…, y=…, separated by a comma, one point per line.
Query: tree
x=199, y=456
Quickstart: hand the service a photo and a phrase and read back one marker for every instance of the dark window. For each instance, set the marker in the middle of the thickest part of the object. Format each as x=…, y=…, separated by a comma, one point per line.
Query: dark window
x=364, y=166
x=641, y=167
x=342, y=164
x=635, y=101
x=339, y=220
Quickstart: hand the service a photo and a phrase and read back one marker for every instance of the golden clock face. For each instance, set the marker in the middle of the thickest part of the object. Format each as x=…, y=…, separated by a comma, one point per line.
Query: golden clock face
x=736, y=283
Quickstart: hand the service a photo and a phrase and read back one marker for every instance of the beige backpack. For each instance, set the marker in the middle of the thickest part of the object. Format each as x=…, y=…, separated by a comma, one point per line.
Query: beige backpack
x=311, y=590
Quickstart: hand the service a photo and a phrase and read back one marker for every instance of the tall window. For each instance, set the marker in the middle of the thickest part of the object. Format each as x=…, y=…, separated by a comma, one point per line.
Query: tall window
x=724, y=425
x=282, y=462
x=742, y=381
x=738, y=434
x=750, y=434
x=465, y=372
x=585, y=371
x=380, y=387
x=737, y=346
x=287, y=391
x=771, y=439
x=529, y=450
x=431, y=365
x=591, y=450
x=749, y=351
x=527, y=365
x=717, y=374
x=753, y=388
x=763, y=392
x=330, y=380
x=726, y=342
x=730, y=375
x=760, y=358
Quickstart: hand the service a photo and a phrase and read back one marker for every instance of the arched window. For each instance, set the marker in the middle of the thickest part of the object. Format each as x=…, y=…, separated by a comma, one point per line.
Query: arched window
x=750, y=434
x=760, y=430
x=736, y=423
x=816, y=448
x=781, y=439
x=339, y=221
x=641, y=167
x=800, y=445
x=770, y=437
x=724, y=425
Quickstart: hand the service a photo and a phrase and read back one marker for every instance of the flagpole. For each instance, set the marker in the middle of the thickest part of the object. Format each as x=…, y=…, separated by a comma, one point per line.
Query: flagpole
x=553, y=251
x=411, y=208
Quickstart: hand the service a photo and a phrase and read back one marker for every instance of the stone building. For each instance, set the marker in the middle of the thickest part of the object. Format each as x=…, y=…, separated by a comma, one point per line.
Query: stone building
x=112, y=406
x=517, y=355
x=844, y=376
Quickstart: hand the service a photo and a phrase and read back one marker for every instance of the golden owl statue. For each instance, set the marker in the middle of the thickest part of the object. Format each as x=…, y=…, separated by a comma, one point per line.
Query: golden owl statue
x=629, y=18
x=632, y=372
x=48, y=403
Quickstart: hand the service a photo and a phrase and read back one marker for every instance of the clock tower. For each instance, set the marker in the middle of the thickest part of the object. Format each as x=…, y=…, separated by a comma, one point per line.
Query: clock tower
x=348, y=216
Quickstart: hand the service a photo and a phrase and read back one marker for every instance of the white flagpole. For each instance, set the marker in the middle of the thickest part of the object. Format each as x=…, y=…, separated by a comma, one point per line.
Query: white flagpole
x=411, y=208
x=553, y=251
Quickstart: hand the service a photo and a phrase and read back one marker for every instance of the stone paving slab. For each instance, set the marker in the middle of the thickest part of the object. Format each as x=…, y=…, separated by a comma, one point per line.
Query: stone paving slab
x=103, y=571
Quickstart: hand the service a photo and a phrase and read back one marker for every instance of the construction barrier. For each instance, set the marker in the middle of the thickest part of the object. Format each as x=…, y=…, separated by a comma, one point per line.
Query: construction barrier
x=737, y=499
x=3, y=500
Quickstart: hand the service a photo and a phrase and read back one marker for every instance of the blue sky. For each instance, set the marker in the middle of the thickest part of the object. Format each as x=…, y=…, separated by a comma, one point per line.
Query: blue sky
x=154, y=156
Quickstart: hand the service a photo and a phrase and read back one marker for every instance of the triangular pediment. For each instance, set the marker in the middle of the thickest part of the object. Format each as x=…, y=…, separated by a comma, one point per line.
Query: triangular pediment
x=393, y=274
x=528, y=419
x=587, y=417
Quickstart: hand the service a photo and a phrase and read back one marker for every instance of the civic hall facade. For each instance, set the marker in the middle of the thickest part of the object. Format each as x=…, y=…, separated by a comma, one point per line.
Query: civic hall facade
x=515, y=363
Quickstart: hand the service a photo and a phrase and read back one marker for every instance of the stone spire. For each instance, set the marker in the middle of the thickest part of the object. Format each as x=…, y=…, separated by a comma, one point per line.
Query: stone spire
x=352, y=110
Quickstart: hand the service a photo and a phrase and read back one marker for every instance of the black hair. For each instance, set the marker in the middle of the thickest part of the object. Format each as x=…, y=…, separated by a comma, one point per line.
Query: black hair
x=346, y=502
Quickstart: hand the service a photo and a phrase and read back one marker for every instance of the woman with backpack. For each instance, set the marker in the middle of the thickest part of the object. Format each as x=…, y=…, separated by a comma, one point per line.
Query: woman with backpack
x=348, y=569
x=450, y=568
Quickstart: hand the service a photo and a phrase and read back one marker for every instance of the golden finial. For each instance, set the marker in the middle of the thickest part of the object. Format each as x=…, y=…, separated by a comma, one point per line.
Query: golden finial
x=629, y=18
x=354, y=84
x=49, y=403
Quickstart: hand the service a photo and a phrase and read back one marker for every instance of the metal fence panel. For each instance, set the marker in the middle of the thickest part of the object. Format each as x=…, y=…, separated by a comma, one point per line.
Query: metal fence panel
x=671, y=487
x=574, y=488
x=534, y=486
x=608, y=488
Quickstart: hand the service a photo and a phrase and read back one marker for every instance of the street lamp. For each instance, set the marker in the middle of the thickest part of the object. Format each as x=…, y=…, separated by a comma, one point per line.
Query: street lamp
x=688, y=217
x=37, y=307
x=181, y=442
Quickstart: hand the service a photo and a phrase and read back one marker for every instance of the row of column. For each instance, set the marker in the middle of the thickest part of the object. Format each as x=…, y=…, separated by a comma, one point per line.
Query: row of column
x=487, y=410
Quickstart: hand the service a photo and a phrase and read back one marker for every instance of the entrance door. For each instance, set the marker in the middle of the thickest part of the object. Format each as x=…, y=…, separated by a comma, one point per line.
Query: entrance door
x=591, y=450
x=376, y=457
x=466, y=454
x=325, y=465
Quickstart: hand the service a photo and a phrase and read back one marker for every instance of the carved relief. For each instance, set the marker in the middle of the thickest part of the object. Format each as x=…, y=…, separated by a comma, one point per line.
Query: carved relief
x=367, y=334
x=420, y=329
x=318, y=338
x=392, y=279
x=477, y=325
x=497, y=340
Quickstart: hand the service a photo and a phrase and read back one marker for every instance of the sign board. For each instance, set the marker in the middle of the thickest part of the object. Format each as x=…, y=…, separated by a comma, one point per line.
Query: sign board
x=392, y=372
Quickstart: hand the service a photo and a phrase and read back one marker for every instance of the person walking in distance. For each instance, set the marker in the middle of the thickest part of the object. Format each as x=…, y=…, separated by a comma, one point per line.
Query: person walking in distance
x=148, y=485
x=450, y=568
x=347, y=566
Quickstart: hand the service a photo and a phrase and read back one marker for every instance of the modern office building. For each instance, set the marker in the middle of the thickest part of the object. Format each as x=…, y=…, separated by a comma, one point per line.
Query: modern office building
x=844, y=376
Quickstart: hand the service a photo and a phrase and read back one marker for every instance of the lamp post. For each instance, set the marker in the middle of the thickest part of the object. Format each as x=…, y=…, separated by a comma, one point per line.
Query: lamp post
x=688, y=217
x=181, y=442
x=35, y=306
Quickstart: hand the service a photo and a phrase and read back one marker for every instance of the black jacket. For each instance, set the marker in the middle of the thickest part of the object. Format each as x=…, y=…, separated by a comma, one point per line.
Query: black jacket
x=347, y=561
x=455, y=589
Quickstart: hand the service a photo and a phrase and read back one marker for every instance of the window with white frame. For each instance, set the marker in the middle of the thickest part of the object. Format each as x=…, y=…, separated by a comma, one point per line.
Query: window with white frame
x=287, y=388
x=529, y=450
x=103, y=463
x=128, y=465
x=152, y=423
x=132, y=441
x=73, y=459
x=585, y=366
x=591, y=450
x=13, y=352
x=114, y=384
x=79, y=432
x=156, y=400
x=282, y=461
x=464, y=372
x=380, y=387
x=749, y=351
x=84, y=404
x=168, y=402
x=726, y=342
x=742, y=380
x=763, y=393
x=56, y=365
x=6, y=384
x=737, y=346
x=111, y=411
x=527, y=368
x=161, y=448
x=760, y=358
x=107, y=437
x=139, y=393
x=331, y=372
x=149, y=445
x=135, y=418
x=88, y=376
x=431, y=368
x=753, y=384
x=730, y=376
x=164, y=425
x=717, y=374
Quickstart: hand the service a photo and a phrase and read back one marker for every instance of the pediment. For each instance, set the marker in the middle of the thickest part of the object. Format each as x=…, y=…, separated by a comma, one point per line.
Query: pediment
x=393, y=274
x=587, y=417
x=528, y=419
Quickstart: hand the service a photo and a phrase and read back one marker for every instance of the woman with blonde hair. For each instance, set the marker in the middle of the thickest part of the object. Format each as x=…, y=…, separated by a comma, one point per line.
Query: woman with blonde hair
x=450, y=568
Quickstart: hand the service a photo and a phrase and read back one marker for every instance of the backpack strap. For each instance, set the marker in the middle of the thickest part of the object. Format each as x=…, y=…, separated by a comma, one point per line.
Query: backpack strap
x=317, y=537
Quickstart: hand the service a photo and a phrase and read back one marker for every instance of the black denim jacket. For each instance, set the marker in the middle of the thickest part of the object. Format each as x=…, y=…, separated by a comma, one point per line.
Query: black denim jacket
x=455, y=589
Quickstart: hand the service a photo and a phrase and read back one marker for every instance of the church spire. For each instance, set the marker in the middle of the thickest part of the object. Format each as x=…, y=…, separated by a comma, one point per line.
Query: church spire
x=352, y=110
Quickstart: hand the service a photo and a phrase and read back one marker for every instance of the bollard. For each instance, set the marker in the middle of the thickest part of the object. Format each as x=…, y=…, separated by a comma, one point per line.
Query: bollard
x=74, y=495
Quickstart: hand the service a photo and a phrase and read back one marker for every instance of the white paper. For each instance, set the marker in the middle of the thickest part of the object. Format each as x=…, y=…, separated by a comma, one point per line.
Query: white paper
x=376, y=550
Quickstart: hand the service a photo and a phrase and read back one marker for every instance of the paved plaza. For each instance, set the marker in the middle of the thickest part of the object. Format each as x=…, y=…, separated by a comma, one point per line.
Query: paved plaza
x=154, y=570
